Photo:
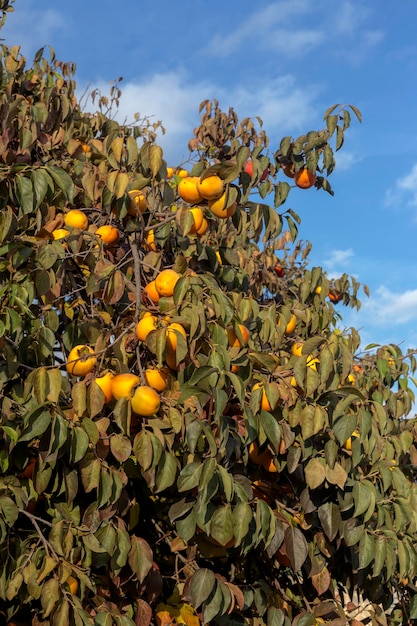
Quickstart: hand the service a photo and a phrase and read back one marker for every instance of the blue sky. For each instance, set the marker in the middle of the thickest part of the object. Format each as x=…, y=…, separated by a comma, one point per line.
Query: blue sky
x=286, y=62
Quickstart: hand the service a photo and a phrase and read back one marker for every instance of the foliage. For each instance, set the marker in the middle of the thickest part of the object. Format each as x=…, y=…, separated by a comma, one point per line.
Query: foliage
x=107, y=517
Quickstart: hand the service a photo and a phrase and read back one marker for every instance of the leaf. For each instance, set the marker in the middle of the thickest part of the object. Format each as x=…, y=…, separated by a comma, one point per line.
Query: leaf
x=167, y=471
x=295, y=547
x=242, y=517
x=49, y=596
x=63, y=181
x=336, y=475
x=38, y=423
x=329, y=515
x=201, y=586
x=221, y=525
x=315, y=473
x=366, y=550
x=321, y=581
x=120, y=447
x=155, y=159
x=140, y=557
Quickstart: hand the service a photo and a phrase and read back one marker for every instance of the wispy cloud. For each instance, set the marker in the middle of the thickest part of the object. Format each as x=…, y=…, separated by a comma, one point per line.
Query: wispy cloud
x=338, y=261
x=38, y=26
x=404, y=190
x=388, y=307
x=172, y=97
x=281, y=28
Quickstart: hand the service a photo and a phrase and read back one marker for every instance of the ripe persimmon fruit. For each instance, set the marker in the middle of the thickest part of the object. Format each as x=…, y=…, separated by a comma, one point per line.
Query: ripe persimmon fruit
x=198, y=217
x=232, y=338
x=109, y=234
x=76, y=219
x=60, y=233
x=210, y=188
x=165, y=282
x=157, y=378
x=171, y=335
x=188, y=190
x=122, y=385
x=221, y=208
x=150, y=293
x=145, y=401
x=138, y=202
x=265, y=403
x=105, y=383
x=146, y=325
x=304, y=178
x=204, y=226
x=81, y=360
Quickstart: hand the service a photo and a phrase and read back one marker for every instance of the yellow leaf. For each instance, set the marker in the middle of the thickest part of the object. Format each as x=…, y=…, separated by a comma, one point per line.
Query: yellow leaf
x=187, y=615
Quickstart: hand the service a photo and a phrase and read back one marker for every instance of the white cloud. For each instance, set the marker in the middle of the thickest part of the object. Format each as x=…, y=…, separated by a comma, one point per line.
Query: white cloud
x=345, y=160
x=404, y=190
x=386, y=307
x=281, y=28
x=174, y=98
x=338, y=259
x=32, y=28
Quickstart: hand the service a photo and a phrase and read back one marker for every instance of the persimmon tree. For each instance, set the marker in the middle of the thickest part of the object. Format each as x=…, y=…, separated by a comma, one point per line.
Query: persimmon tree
x=187, y=433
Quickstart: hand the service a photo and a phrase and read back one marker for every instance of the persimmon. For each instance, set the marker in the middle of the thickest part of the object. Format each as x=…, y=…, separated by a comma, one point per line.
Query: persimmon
x=312, y=362
x=150, y=293
x=171, y=335
x=157, y=378
x=204, y=226
x=30, y=468
x=81, y=360
x=60, y=233
x=170, y=172
x=122, y=385
x=145, y=401
x=165, y=282
x=335, y=295
x=265, y=403
x=232, y=338
x=72, y=585
x=279, y=271
x=138, y=202
x=188, y=190
x=348, y=442
x=291, y=324
x=146, y=325
x=181, y=172
x=150, y=240
x=249, y=170
x=264, y=458
x=76, y=219
x=198, y=217
x=105, y=383
x=288, y=170
x=108, y=234
x=304, y=178
x=210, y=188
x=221, y=208
x=297, y=348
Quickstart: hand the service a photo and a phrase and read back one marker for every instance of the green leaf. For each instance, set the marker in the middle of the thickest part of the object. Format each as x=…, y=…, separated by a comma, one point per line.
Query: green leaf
x=329, y=515
x=221, y=525
x=366, y=550
x=140, y=557
x=295, y=547
x=201, y=586
x=37, y=424
x=63, y=181
x=315, y=473
x=167, y=471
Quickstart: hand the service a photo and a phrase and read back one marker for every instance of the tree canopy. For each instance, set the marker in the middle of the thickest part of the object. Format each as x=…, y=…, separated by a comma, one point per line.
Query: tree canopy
x=188, y=435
